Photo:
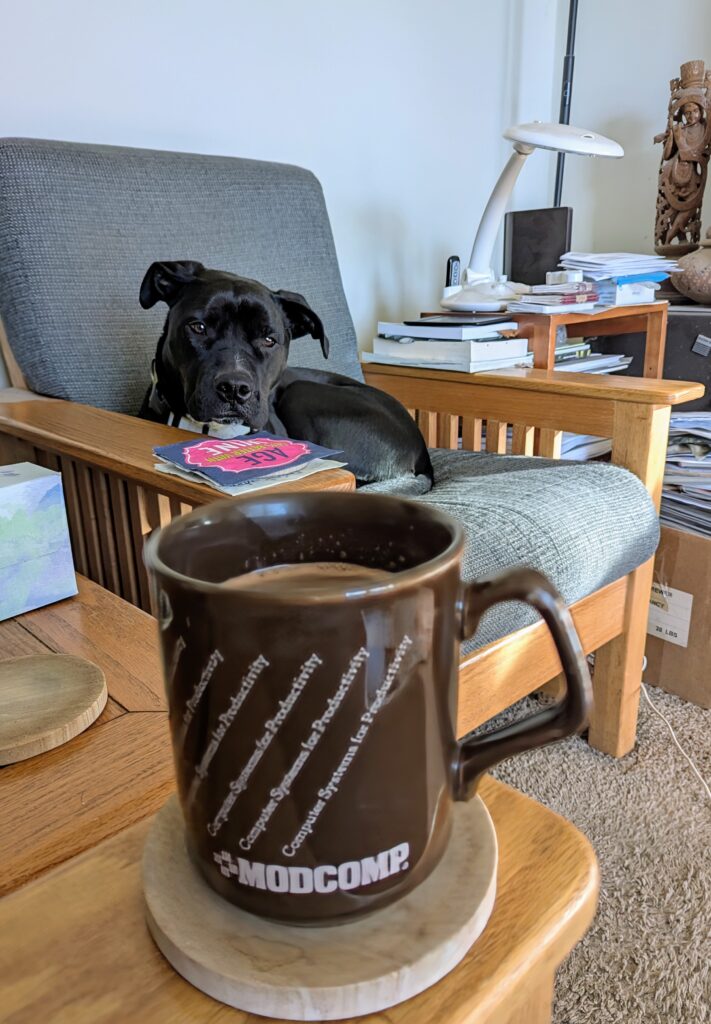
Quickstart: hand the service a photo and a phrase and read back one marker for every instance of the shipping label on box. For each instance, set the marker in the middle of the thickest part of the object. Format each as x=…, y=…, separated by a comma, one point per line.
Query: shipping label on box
x=670, y=614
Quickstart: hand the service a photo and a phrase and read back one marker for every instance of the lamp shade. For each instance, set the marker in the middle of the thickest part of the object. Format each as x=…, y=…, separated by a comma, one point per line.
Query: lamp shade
x=563, y=138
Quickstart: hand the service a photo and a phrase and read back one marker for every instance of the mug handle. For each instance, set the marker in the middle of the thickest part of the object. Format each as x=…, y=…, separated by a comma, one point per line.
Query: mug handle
x=567, y=716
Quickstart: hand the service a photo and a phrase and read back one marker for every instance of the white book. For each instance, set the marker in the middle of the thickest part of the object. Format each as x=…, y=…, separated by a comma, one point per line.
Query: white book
x=457, y=332
x=536, y=307
x=469, y=367
x=451, y=351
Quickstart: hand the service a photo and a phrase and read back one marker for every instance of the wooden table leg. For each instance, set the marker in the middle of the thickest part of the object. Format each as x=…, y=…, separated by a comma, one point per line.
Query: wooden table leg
x=655, y=342
x=541, y=332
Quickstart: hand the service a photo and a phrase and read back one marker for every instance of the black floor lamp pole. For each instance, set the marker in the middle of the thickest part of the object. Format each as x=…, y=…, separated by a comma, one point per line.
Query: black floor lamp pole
x=566, y=91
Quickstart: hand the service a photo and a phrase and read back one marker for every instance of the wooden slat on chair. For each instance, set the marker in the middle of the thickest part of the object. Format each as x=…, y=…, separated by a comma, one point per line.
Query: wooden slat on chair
x=106, y=528
x=523, y=437
x=139, y=528
x=471, y=434
x=124, y=539
x=427, y=422
x=496, y=437
x=91, y=527
x=447, y=431
x=153, y=510
x=549, y=444
x=74, y=516
x=175, y=507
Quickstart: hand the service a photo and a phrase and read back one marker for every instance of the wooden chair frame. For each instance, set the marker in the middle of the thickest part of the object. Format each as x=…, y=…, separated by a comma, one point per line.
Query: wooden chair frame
x=115, y=497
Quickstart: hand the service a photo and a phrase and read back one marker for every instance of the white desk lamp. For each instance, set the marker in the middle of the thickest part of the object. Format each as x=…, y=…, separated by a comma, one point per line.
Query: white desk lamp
x=481, y=290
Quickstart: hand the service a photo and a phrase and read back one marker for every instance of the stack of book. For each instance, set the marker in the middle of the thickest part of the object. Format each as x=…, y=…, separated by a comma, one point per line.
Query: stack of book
x=465, y=344
x=686, y=493
x=620, y=278
x=568, y=297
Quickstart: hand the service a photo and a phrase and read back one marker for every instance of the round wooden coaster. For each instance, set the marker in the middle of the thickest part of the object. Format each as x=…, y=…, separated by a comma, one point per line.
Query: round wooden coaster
x=45, y=700
x=298, y=973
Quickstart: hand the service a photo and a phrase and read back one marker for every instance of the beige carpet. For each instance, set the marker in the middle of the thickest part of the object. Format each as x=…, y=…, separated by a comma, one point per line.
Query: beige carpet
x=647, y=956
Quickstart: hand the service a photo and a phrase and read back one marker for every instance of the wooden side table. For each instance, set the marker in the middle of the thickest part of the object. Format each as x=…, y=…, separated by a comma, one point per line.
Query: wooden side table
x=75, y=946
x=120, y=769
x=650, y=319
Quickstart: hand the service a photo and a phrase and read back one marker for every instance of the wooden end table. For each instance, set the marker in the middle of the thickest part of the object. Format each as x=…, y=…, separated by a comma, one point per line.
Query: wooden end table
x=649, y=319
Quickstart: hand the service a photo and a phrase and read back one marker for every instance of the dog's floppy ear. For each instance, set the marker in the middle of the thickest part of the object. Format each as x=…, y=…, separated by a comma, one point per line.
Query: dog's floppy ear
x=164, y=281
x=301, y=317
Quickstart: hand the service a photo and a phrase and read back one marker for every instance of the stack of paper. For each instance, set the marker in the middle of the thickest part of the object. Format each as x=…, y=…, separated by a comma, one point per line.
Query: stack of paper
x=620, y=266
x=583, y=447
x=686, y=495
x=595, y=362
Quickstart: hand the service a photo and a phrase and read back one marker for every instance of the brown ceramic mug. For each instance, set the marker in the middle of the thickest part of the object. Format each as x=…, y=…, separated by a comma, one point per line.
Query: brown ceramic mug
x=313, y=730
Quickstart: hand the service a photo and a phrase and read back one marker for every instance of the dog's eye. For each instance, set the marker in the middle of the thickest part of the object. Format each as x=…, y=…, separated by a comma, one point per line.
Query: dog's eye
x=197, y=327
x=269, y=341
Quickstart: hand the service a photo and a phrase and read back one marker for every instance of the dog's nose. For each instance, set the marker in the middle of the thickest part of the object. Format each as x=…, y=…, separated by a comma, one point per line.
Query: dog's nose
x=233, y=389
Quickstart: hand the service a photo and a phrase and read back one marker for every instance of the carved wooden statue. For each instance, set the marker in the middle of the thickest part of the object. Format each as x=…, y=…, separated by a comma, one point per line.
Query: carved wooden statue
x=682, y=175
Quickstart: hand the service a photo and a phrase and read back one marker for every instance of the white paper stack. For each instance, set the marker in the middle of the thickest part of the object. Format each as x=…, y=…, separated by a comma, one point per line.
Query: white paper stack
x=686, y=494
x=583, y=447
x=597, y=266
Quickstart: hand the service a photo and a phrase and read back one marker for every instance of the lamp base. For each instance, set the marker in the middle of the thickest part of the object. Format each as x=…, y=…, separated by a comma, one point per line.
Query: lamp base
x=482, y=296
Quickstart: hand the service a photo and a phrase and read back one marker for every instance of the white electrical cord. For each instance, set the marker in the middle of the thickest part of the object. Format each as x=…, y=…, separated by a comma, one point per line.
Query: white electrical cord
x=693, y=767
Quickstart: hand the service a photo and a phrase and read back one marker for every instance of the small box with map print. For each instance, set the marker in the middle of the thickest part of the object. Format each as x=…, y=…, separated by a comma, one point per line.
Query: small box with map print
x=36, y=566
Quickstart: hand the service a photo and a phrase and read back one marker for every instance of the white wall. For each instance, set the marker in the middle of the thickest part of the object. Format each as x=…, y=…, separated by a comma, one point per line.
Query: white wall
x=397, y=106
x=626, y=52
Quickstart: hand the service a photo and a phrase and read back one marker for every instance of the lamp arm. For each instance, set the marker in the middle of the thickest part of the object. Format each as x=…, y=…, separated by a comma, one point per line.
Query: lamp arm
x=483, y=249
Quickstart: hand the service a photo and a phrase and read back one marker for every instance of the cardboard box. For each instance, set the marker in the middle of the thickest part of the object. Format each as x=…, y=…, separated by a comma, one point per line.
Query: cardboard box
x=678, y=646
x=36, y=566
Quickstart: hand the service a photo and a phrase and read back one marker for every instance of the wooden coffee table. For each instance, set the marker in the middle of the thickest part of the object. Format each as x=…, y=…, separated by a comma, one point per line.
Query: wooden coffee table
x=73, y=941
x=75, y=946
x=68, y=799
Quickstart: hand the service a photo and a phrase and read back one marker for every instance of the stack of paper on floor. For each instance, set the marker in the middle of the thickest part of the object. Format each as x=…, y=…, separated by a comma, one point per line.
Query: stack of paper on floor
x=686, y=494
x=241, y=464
x=467, y=344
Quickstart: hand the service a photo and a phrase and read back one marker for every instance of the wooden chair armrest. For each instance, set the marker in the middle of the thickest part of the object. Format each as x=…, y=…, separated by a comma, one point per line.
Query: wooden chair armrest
x=119, y=444
x=539, y=404
x=643, y=390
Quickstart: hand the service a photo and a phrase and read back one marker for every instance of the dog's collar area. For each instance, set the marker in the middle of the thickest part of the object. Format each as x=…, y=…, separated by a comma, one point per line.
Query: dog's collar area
x=159, y=405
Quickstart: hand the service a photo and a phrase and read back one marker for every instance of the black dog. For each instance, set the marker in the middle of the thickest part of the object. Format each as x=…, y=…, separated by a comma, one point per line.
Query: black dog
x=222, y=358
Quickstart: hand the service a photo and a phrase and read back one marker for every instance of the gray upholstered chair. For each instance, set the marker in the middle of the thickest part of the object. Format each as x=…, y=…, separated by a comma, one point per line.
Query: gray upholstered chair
x=80, y=224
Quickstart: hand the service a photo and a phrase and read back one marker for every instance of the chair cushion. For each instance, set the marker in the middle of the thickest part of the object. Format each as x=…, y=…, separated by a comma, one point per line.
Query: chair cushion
x=81, y=224
x=583, y=524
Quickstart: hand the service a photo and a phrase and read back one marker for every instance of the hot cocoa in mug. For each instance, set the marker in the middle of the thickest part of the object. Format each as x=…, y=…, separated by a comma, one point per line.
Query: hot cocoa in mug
x=310, y=648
